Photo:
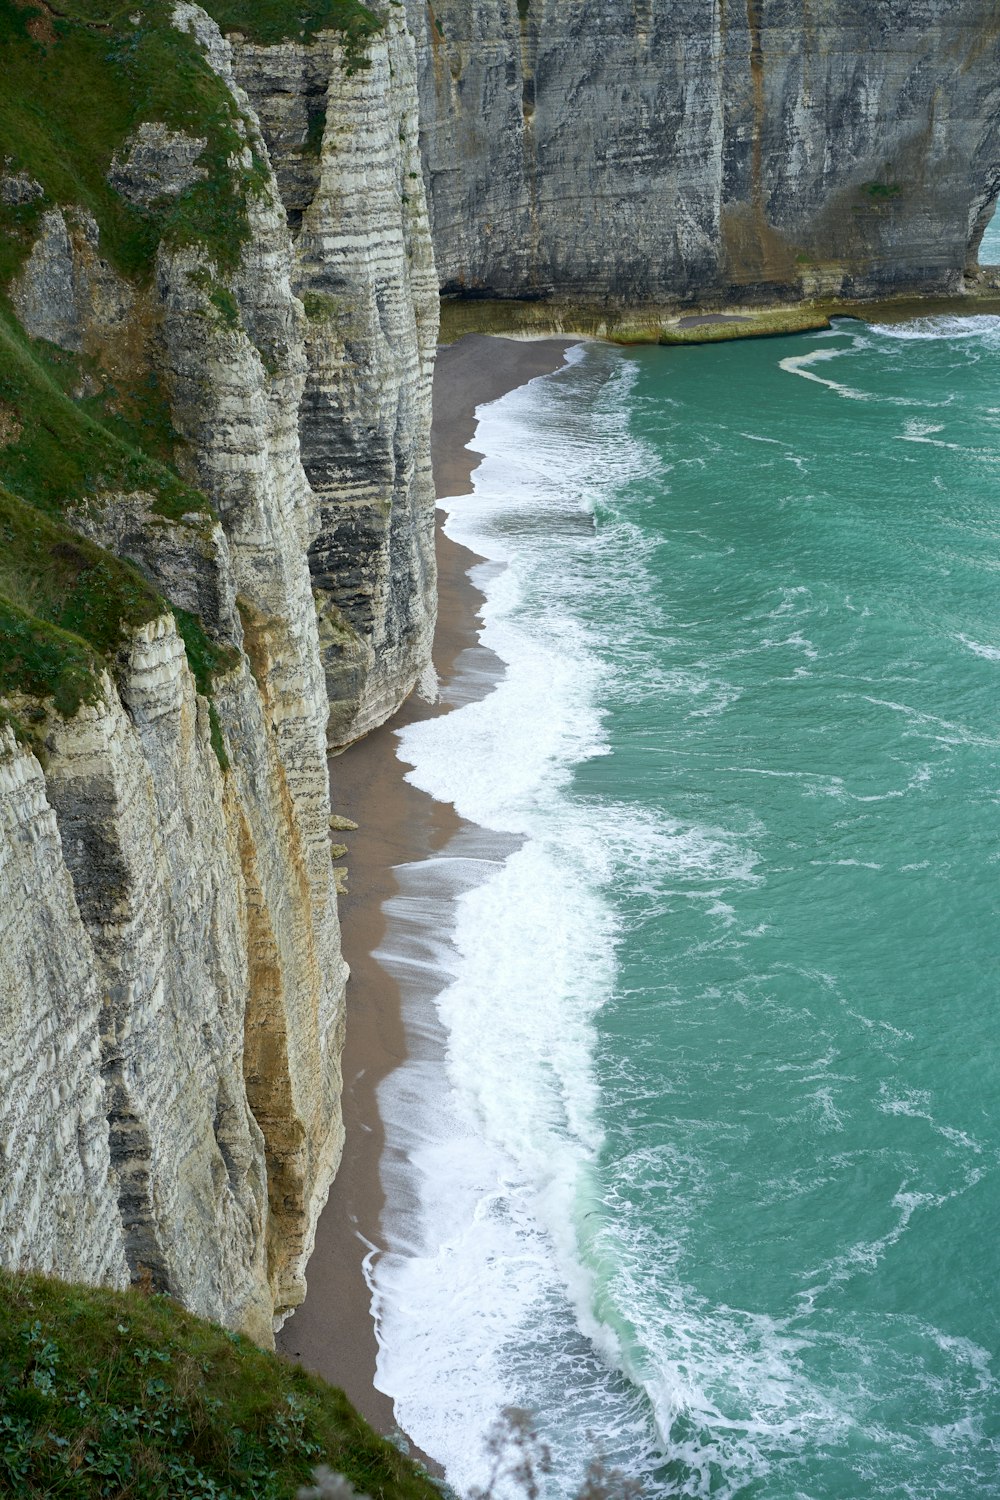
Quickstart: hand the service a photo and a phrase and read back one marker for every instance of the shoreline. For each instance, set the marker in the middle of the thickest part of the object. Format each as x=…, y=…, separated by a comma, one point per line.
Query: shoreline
x=702, y=323
x=333, y=1334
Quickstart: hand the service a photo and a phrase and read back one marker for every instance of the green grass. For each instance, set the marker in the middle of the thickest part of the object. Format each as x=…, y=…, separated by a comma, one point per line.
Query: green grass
x=64, y=454
x=206, y=658
x=44, y=662
x=64, y=607
x=118, y=1394
x=72, y=95
x=56, y=574
x=271, y=21
x=881, y=191
x=64, y=604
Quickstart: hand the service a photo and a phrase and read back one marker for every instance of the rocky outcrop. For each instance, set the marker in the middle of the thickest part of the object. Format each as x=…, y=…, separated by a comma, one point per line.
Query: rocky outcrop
x=707, y=151
x=157, y=163
x=206, y=995
x=66, y=292
x=172, y=983
x=140, y=807
x=343, y=140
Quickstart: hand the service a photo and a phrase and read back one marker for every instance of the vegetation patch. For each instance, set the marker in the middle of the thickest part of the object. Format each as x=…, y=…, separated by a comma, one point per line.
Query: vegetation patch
x=272, y=21
x=43, y=662
x=119, y=1394
x=67, y=603
x=65, y=606
x=881, y=191
x=321, y=307
x=14, y=722
x=63, y=454
x=51, y=572
x=206, y=659
x=71, y=101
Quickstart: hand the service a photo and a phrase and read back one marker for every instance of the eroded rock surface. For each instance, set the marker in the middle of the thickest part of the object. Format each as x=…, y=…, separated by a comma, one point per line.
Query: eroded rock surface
x=700, y=151
x=343, y=140
x=172, y=974
x=157, y=163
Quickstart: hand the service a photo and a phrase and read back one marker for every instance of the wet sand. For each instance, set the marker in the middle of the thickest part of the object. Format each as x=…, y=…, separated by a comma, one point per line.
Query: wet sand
x=332, y=1333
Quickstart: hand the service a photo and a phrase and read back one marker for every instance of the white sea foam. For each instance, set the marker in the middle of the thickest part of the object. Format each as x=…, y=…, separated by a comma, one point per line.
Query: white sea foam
x=989, y=653
x=935, y=329
x=488, y=1171
x=803, y=365
x=514, y=1276
x=497, y=1255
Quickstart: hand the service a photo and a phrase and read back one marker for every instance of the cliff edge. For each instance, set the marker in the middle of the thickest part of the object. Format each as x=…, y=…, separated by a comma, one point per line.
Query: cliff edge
x=214, y=379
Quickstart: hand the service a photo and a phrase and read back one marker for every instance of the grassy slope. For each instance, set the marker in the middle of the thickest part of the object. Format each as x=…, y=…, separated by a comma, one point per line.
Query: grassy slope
x=73, y=90
x=118, y=1394
x=65, y=603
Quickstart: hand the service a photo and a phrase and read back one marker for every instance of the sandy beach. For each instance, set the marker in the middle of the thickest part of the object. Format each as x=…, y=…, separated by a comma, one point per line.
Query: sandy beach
x=332, y=1333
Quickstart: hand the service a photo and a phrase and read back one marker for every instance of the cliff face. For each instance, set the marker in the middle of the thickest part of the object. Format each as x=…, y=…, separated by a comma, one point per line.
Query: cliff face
x=707, y=150
x=55, y=1180
x=218, y=315
x=343, y=141
x=171, y=983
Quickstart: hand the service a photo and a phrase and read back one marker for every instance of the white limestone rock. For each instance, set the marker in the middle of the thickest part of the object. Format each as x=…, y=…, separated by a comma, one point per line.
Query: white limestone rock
x=58, y=1194
x=364, y=269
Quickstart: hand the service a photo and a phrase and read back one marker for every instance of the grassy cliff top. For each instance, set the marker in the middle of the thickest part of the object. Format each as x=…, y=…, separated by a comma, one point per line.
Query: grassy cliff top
x=78, y=80
x=80, y=77
x=271, y=21
x=76, y=85
x=119, y=1394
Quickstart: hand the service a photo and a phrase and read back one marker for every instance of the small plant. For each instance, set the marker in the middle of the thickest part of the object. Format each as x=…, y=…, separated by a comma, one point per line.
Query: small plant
x=520, y=1461
x=225, y=305
x=881, y=190
x=206, y=660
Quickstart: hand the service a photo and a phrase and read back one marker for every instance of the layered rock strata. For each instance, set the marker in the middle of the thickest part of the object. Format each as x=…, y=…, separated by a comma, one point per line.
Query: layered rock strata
x=344, y=142
x=706, y=151
x=171, y=982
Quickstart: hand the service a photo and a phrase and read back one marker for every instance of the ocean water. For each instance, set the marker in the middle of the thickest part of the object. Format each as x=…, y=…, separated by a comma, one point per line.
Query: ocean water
x=989, y=250
x=697, y=1154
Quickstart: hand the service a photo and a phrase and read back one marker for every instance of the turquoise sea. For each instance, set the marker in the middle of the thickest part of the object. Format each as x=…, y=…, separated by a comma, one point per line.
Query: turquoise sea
x=710, y=1182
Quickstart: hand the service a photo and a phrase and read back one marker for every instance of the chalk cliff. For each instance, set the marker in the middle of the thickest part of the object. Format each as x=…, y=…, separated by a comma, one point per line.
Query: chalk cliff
x=707, y=151
x=178, y=643
x=218, y=314
x=364, y=269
